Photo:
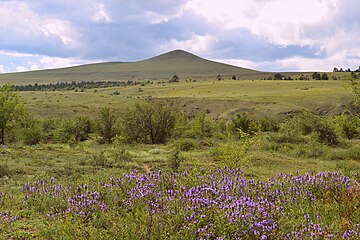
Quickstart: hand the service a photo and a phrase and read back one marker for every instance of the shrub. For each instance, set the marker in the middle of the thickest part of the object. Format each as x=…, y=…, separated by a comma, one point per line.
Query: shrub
x=175, y=159
x=99, y=159
x=269, y=124
x=4, y=170
x=73, y=130
x=310, y=151
x=201, y=127
x=31, y=135
x=287, y=137
x=121, y=155
x=107, y=125
x=187, y=144
x=243, y=123
x=348, y=126
x=233, y=153
x=325, y=132
x=149, y=122
x=303, y=123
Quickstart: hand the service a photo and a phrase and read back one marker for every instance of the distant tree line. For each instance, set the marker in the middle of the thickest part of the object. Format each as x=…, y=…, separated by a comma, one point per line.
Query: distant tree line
x=346, y=70
x=76, y=85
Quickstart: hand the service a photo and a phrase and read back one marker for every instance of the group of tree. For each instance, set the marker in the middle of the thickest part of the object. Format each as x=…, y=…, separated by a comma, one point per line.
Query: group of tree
x=346, y=70
x=319, y=76
x=73, y=85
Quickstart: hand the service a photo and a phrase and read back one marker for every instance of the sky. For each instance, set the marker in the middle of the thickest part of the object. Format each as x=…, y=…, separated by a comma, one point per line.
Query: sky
x=267, y=35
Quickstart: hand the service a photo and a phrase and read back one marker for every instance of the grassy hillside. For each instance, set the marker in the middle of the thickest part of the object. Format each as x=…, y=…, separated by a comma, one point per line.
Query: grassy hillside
x=184, y=64
x=221, y=98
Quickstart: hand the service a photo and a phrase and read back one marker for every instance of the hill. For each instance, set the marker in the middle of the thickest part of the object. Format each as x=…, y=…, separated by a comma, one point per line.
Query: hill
x=182, y=63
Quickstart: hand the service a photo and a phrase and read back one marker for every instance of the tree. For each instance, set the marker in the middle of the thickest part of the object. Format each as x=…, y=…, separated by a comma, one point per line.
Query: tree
x=107, y=122
x=278, y=76
x=149, y=122
x=11, y=109
x=324, y=76
x=174, y=78
x=316, y=76
x=335, y=69
x=355, y=88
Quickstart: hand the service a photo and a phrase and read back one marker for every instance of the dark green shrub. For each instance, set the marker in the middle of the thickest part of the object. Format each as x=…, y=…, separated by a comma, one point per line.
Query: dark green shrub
x=4, y=170
x=49, y=128
x=121, y=156
x=267, y=124
x=107, y=125
x=73, y=130
x=325, y=132
x=31, y=135
x=302, y=123
x=202, y=126
x=149, y=122
x=187, y=144
x=244, y=123
x=99, y=159
x=287, y=137
x=310, y=151
x=175, y=160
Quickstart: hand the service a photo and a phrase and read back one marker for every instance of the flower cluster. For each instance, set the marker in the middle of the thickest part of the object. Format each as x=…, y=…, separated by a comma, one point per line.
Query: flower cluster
x=221, y=204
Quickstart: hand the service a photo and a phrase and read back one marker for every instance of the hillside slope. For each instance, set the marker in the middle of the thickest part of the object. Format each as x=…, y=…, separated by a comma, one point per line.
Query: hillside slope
x=182, y=63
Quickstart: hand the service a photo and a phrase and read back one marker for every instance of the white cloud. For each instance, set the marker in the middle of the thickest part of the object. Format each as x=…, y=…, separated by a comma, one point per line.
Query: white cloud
x=34, y=67
x=21, y=69
x=100, y=14
x=260, y=34
x=20, y=23
x=55, y=62
x=197, y=44
x=279, y=21
x=2, y=69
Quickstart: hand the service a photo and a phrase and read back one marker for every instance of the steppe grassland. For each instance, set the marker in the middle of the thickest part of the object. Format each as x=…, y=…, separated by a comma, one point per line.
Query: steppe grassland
x=220, y=97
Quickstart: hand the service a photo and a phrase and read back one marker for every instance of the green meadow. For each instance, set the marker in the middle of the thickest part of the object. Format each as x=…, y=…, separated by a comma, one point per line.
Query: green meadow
x=201, y=158
x=221, y=98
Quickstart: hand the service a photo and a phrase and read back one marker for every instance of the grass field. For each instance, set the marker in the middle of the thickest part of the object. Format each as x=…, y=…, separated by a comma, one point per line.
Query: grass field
x=91, y=190
x=221, y=98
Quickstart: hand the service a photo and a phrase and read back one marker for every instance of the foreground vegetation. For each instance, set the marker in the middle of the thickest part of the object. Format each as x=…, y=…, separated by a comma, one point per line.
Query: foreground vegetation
x=219, y=204
x=155, y=170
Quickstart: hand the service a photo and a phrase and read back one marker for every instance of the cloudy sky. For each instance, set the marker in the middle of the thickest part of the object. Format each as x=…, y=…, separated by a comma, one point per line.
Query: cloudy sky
x=268, y=35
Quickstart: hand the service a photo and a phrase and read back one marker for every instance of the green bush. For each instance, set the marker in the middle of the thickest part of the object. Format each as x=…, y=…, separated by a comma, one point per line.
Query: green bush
x=201, y=127
x=348, y=126
x=175, y=160
x=352, y=153
x=49, y=129
x=233, y=153
x=325, y=132
x=149, y=122
x=187, y=144
x=302, y=123
x=244, y=123
x=310, y=151
x=287, y=137
x=4, y=170
x=267, y=124
x=31, y=135
x=73, y=130
x=99, y=159
x=121, y=155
